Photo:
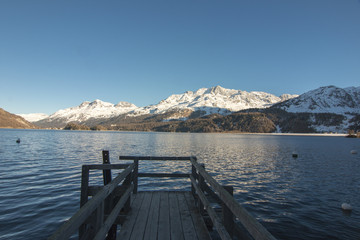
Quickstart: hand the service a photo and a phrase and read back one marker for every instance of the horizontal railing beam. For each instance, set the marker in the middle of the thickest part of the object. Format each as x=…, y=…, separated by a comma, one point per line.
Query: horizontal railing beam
x=154, y=158
x=169, y=175
x=93, y=190
x=107, y=166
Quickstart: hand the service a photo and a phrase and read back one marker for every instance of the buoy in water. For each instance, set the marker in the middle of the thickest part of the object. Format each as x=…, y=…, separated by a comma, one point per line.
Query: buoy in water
x=346, y=207
x=18, y=140
x=353, y=152
x=294, y=154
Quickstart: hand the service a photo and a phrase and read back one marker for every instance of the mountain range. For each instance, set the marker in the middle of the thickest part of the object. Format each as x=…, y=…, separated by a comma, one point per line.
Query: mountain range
x=324, y=109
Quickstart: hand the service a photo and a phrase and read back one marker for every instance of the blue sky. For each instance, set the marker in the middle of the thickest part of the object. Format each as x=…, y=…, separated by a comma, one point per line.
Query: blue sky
x=57, y=54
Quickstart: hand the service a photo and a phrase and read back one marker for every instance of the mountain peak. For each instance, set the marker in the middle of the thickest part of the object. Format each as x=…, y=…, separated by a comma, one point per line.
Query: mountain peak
x=327, y=99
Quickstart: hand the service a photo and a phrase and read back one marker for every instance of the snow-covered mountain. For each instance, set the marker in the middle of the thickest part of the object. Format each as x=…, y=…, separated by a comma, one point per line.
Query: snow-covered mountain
x=34, y=117
x=207, y=100
x=86, y=111
x=214, y=100
x=329, y=99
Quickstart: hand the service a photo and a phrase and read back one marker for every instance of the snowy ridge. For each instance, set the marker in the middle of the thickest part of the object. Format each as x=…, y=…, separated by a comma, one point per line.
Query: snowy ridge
x=215, y=100
x=95, y=109
x=207, y=100
x=329, y=99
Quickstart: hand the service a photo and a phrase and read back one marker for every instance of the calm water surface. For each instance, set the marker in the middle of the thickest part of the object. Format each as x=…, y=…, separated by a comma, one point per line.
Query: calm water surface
x=293, y=198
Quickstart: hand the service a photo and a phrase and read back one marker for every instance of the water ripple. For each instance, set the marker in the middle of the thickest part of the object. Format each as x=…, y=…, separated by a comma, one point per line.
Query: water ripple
x=294, y=198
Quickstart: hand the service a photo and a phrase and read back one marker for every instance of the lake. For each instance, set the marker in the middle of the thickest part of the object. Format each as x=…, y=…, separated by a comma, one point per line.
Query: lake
x=294, y=198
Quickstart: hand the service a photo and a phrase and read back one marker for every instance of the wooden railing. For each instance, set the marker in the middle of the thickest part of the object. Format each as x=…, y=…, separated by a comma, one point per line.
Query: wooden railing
x=98, y=216
x=206, y=189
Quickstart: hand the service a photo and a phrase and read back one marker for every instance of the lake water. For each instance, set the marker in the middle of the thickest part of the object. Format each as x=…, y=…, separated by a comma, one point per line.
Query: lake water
x=293, y=198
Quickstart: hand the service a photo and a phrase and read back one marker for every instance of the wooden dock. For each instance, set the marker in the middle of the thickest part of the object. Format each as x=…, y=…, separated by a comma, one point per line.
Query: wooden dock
x=117, y=210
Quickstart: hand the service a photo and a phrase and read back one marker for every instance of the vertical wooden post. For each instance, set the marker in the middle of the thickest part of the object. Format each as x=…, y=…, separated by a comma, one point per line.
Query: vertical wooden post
x=127, y=184
x=135, y=176
x=201, y=185
x=109, y=201
x=228, y=216
x=194, y=175
x=107, y=172
x=84, y=195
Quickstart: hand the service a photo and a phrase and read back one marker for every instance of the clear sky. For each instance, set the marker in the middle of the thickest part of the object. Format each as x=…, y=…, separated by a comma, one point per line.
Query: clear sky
x=56, y=54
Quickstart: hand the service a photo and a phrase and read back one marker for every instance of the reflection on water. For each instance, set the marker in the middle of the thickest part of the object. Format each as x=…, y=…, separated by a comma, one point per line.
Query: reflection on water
x=294, y=198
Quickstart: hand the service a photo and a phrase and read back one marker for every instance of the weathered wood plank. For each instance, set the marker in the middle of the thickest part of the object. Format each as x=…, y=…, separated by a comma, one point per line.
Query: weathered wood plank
x=186, y=219
x=160, y=175
x=164, y=217
x=141, y=220
x=154, y=158
x=107, y=166
x=151, y=229
x=257, y=231
x=176, y=231
x=199, y=224
x=93, y=190
x=129, y=223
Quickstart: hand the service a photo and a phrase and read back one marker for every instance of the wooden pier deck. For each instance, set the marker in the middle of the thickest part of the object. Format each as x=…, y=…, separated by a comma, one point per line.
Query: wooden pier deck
x=117, y=210
x=164, y=215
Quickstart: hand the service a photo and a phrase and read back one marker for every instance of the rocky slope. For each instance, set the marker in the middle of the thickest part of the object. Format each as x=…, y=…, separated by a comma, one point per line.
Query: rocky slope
x=9, y=120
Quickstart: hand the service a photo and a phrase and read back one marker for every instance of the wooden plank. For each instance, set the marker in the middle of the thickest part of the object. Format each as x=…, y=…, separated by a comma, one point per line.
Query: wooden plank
x=154, y=158
x=107, y=166
x=227, y=215
x=164, y=217
x=199, y=224
x=176, y=232
x=257, y=231
x=141, y=220
x=93, y=190
x=129, y=223
x=186, y=219
x=160, y=175
x=70, y=226
x=153, y=219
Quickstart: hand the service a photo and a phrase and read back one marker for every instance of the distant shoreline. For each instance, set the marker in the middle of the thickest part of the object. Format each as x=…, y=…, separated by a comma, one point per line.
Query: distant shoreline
x=234, y=132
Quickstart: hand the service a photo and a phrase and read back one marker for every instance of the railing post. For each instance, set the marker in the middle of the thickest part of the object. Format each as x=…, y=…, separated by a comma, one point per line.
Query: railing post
x=135, y=175
x=227, y=215
x=201, y=185
x=194, y=175
x=109, y=200
x=127, y=184
x=84, y=195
